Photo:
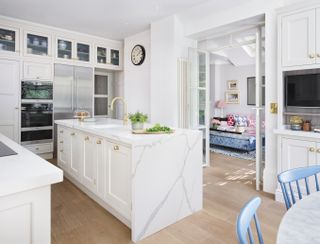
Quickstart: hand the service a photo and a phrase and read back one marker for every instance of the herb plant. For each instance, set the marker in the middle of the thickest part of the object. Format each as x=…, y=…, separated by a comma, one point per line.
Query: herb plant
x=138, y=117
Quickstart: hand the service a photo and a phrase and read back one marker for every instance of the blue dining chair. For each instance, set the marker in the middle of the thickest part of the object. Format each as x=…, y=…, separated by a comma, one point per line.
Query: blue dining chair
x=291, y=177
x=247, y=214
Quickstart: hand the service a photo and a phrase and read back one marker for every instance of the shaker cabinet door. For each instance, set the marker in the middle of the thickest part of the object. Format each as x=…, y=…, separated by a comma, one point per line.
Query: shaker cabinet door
x=118, y=178
x=37, y=71
x=76, y=154
x=89, y=172
x=297, y=153
x=299, y=38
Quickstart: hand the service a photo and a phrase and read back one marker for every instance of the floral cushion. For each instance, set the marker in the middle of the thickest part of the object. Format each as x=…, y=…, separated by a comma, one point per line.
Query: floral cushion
x=230, y=120
x=241, y=121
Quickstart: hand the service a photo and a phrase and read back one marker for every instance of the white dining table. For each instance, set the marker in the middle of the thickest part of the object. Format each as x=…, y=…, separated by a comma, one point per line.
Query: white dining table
x=301, y=223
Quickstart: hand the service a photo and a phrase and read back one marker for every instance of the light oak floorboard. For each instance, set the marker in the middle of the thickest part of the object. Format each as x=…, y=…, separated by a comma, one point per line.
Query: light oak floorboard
x=228, y=185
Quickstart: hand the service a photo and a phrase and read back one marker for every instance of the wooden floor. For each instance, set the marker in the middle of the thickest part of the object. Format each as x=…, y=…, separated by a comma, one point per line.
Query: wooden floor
x=227, y=186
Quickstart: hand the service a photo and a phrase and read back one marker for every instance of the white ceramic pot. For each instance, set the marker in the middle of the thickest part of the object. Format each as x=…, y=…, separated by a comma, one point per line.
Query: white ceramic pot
x=137, y=126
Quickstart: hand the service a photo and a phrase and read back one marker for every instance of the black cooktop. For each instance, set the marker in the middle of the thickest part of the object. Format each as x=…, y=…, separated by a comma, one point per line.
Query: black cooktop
x=5, y=150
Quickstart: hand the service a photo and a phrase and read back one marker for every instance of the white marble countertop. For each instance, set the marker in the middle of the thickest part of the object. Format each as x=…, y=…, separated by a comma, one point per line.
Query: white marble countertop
x=25, y=170
x=300, y=133
x=117, y=131
x=301, y=223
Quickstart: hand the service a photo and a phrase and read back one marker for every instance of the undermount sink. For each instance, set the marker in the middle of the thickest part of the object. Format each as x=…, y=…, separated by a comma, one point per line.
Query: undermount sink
x=105, y=126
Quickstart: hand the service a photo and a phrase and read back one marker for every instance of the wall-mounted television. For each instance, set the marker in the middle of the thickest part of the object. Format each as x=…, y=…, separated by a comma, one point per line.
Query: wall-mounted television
x=302, y=91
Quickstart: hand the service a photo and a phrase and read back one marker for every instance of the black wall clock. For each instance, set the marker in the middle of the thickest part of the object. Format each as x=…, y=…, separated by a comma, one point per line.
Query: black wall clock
x=138, y=54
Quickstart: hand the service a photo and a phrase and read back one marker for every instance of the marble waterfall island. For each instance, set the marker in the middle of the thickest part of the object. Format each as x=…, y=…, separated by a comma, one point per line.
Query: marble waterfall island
x=147, y=181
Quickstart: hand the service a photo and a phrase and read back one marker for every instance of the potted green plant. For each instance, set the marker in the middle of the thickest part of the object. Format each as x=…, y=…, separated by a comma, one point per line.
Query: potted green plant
x=137, y=120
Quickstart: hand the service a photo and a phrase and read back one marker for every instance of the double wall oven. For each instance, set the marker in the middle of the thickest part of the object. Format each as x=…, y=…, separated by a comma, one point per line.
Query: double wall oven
x=36, y=112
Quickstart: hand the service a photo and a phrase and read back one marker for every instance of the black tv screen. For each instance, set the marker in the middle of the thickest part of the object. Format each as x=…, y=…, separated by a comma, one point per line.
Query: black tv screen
x=303, y=90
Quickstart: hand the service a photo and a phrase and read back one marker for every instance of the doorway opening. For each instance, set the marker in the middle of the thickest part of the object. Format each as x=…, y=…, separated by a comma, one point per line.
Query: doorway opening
x=226, y=92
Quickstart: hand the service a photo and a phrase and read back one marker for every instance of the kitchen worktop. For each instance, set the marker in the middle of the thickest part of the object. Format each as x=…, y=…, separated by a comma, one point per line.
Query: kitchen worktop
x=115, y=130
x=25, y=170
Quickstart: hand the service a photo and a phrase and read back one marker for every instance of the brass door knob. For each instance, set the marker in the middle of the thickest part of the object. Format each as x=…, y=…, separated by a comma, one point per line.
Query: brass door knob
x=312, y=149
x=116, y=147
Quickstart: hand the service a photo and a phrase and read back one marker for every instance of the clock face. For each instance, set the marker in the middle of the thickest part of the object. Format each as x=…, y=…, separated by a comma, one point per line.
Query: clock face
x=138, y=54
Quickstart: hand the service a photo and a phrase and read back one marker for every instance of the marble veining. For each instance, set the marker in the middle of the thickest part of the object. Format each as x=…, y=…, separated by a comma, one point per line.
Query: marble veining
x=186, y=197
x=300, y=225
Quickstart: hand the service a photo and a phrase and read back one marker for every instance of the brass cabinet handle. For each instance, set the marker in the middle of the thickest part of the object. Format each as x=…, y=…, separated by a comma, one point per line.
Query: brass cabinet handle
x=312, y=56
x=86, y=138
x=99, y=142
x=312, y=149
x=116, y=147
x=72, y=134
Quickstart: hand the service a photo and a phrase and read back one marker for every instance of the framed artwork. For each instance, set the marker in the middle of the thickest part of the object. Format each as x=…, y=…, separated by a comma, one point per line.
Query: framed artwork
x=232, y=97
x=232, y=84
x=251, y=91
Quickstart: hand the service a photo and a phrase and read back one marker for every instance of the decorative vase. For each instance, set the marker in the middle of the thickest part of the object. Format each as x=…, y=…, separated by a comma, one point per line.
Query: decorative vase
x=137, y=126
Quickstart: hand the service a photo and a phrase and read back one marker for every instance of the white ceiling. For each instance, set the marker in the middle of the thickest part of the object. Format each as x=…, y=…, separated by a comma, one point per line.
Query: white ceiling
x=114, y=19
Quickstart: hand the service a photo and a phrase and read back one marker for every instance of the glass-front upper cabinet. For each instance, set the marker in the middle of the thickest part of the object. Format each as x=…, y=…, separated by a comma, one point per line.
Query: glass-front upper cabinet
x=64, y=49
x=115, y=57
x=101, y=55
x=37, y=44
x=9, y=39
x=83, y=52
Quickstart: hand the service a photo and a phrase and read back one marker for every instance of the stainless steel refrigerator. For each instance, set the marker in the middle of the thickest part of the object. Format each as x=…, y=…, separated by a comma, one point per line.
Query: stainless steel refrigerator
x=72, y=90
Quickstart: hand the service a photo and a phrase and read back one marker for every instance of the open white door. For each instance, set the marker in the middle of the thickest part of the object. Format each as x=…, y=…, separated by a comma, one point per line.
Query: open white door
x=198, y=97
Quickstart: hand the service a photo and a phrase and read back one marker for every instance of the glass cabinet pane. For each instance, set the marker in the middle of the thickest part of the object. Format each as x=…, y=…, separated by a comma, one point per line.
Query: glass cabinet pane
x=37, y=45
x=114, y=57
x=202, y=70
x=202, y=107
x=101, y=106
x=7, y=40
x=101, y=85
x=64, y=49
x=83, y=52
x=101, y=55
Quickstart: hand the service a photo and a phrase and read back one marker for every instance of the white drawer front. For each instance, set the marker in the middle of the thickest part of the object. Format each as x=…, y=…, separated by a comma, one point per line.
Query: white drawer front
x=40, y=148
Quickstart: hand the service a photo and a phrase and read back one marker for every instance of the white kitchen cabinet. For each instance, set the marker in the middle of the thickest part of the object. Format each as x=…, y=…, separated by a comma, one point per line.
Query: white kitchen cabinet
x=64, y=50
x=118, y=178
x=9, y=97
x=77, y=139
x=298, y=153
x=89, y=172
x=37, y=44
x=104, y=168
x=64, y=148
x=299, y=38
x=37, y=71
x=9, y=40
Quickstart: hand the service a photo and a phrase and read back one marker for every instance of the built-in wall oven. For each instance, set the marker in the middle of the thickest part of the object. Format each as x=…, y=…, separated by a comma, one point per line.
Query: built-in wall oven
x=36, y=112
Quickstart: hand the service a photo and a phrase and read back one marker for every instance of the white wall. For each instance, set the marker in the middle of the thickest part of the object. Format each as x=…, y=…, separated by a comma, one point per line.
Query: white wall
x=223, y=73
x=137, y=78
x=167, y=45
